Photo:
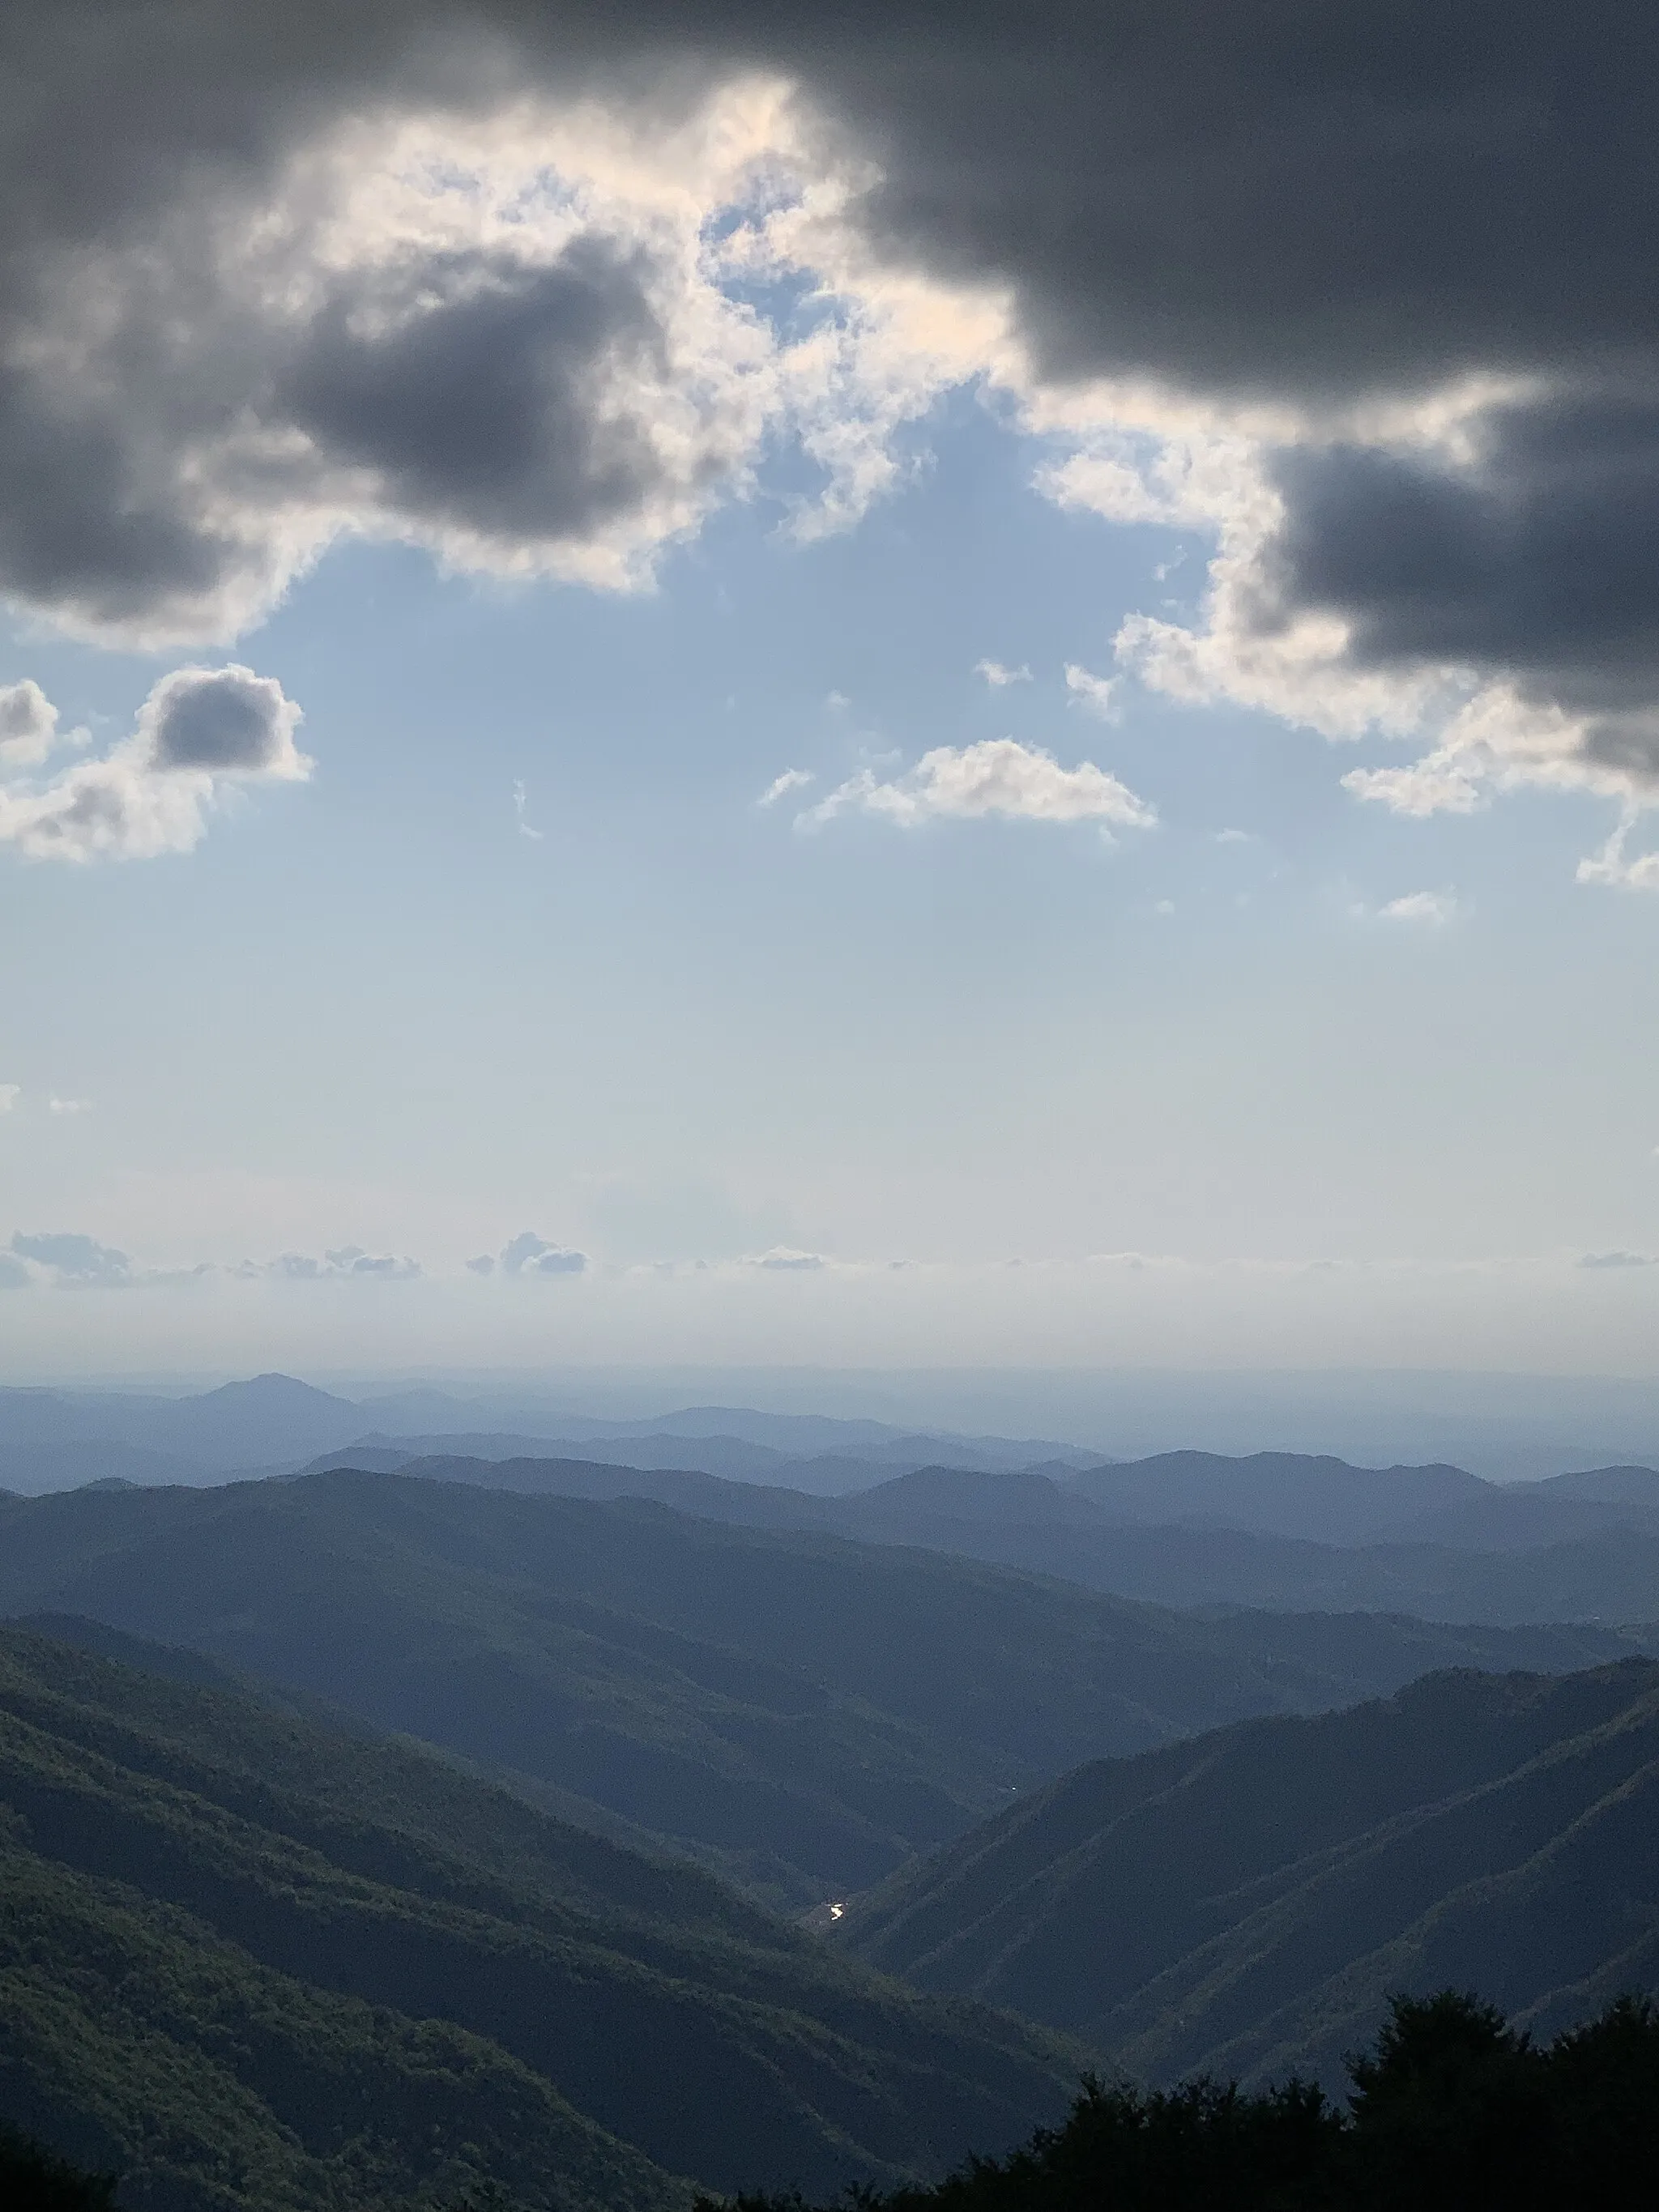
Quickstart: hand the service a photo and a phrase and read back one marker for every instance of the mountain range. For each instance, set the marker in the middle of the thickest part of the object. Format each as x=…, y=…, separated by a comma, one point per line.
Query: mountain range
x=1582, y=1546
x=1246, y=1902
x=56, y=1439
x=803, y=1712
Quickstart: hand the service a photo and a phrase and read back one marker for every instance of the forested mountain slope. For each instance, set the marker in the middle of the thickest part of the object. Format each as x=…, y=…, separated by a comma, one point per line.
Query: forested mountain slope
x=1246, y=1902
x=808, y=1711
x=252, y=1960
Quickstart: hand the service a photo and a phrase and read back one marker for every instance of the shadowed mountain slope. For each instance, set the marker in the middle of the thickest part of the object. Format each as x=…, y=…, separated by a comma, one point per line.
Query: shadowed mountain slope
x=1246, y=1902
x=806, y=1711
x=1578, y=1548
x=252, y=1959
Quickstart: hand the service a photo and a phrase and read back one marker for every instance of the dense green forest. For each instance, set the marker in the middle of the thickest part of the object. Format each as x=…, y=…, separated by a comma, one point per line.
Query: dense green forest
x=254, y=1963
x=805, y=1712
x=1451, y=2109
x=1244, y=1904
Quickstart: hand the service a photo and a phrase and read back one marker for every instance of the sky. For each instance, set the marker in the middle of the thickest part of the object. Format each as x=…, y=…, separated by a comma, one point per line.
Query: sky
x=917, y=687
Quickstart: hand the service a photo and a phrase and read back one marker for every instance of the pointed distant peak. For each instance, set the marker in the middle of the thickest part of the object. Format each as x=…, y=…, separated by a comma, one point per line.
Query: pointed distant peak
x=271, y=1389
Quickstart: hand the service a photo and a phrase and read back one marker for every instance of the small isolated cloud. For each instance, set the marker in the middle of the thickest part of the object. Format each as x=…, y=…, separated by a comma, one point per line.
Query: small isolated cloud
x=999, y=778
x=1164, y=906
x=346, y=1262
x=29, y=725
x=1097, y=694
x=74, y=1258
x=201, y=735
x=783, y=1259
x=1233, y=837
x=68, y=1105
x=9, y=1095
x=1615, y=1260
x=1433, y=909
x=483, y=1265
x=521, y=802
x=999, y=678
x=793, y=779
x=529, y=1255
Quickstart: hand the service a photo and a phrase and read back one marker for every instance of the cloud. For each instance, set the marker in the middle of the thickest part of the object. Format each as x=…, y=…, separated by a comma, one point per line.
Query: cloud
x=783, y=1259
x=9, y=1095
x=75, y=1258
x=55, y=1105
x=201, y=735
x=997, y=778
x=14, y=1275
x=483, y=1265
x=999, y=678
x=1096, y=693
x=1433, y=908
x=527, y=1254
x=1615, y=1260
x=793, y=779
x=29, y=725
x=1366, y=305
x=520, y=801
x=346, y=1262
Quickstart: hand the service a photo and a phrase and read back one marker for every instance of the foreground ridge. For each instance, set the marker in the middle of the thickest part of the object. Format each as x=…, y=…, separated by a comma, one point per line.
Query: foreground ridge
x=1451, y=2107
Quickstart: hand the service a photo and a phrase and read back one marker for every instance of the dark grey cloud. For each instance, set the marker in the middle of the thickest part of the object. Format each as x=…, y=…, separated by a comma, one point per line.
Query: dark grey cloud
x=476, y=397
x=226, y=720
x=1539, y=558
x=1279, y=203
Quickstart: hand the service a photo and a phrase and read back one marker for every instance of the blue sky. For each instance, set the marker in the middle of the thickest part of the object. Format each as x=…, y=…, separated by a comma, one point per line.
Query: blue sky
x=1236, y=1067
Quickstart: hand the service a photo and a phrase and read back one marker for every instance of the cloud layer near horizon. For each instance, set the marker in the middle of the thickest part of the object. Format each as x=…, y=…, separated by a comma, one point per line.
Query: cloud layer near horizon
x=1362, y=296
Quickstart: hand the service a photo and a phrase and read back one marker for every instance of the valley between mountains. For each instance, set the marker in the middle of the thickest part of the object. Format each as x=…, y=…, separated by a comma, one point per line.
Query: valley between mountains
x=372, y=1835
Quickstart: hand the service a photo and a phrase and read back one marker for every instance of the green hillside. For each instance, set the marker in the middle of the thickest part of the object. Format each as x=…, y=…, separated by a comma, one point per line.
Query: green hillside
x=1246, y=1902
x=251, y=1961
x=804, y=1711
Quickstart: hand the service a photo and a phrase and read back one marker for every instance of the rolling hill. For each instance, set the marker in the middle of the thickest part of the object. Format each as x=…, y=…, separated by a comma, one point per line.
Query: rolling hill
x=252, y=1959
x=803, y=1712
x=1246, y=1903
x=1578, y=1548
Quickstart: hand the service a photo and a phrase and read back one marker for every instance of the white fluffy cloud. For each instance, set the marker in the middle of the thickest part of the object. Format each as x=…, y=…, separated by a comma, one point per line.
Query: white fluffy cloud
x=998, y=778
x=1429, y=910
x=29, y=725
x=793, y=779
x=527, y=1254
x=1097, y=694
x=202, y=734
x=786, y=1260
x=998, y=676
